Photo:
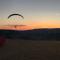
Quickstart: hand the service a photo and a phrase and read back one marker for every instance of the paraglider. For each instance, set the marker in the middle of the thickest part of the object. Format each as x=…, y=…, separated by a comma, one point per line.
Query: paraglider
x=15, y=15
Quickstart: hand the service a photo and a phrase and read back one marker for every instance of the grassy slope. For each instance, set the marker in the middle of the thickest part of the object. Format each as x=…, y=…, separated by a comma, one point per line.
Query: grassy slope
x=30, y=50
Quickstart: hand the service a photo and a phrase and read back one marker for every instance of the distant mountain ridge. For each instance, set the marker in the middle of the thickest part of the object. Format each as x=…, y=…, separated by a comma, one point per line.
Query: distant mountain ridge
x=34, y=34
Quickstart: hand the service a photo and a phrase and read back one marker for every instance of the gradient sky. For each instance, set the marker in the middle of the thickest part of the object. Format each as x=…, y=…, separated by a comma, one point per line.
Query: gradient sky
x=37, y=13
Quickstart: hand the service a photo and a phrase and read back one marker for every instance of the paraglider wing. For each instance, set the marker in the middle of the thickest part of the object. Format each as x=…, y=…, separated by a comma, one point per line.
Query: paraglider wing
x=15, y=14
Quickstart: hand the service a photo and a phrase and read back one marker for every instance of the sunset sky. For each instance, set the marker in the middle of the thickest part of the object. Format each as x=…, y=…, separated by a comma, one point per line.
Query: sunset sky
x=37, y=13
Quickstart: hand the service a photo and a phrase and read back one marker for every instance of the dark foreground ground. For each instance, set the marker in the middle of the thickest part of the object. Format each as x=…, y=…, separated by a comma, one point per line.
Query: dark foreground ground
x=30, y=50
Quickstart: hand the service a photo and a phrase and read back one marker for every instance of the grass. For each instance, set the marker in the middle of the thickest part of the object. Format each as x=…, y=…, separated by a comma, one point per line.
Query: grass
x=30, y=50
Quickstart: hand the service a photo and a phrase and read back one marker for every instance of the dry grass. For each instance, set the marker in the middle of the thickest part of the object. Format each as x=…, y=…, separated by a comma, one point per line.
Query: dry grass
x=30, y=50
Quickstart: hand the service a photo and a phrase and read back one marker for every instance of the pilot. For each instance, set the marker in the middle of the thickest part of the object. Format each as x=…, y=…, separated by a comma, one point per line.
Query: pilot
x=2, y=40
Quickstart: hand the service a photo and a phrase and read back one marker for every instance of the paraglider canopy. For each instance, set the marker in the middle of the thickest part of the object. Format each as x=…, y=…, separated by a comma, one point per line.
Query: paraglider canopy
x=14, y=15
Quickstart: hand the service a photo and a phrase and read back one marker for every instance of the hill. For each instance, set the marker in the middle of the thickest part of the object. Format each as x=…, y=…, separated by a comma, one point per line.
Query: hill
x=35, y=34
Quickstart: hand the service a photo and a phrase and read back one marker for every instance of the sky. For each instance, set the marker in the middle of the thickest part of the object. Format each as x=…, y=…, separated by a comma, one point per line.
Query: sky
x=37, y=13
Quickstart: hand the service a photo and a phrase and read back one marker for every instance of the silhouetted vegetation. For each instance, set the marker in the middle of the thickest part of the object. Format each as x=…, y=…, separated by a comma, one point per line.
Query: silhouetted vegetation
x=35, y=34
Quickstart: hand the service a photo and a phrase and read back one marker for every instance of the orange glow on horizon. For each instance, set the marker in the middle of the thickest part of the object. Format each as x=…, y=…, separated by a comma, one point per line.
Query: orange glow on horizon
x=17, y=27
x=35, y=25
x=47, y=24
